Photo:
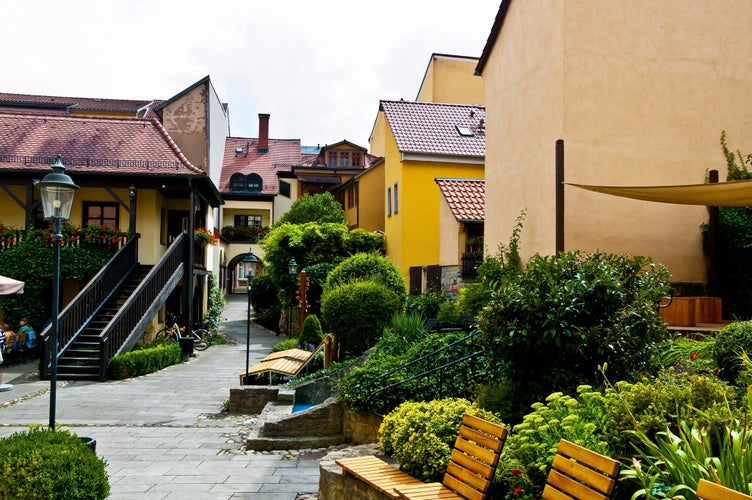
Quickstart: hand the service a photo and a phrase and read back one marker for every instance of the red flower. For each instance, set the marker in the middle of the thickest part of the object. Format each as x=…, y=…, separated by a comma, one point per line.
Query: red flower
x=694, y=356
x=515, y=472
x=518, y=490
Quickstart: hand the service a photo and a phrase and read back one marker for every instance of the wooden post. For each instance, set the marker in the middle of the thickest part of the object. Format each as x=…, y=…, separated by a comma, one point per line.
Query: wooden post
x=303, y=282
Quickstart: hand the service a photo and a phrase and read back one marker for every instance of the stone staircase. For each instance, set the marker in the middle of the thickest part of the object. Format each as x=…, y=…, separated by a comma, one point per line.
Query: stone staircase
x=80, y=361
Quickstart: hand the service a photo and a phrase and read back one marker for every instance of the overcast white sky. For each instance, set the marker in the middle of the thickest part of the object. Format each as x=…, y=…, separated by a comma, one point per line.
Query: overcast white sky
x=319, y=68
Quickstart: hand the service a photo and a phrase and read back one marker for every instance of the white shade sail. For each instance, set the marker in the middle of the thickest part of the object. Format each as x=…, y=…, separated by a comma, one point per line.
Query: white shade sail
x=9, y=286
x=720, y=194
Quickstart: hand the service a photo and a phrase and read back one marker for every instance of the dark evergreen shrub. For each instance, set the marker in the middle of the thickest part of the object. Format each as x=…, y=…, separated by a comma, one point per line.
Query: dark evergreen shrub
x=369, y=267
x=357, y=313
x=47, y=464
x=731, y=343
x=263, y=293
x=311, y=334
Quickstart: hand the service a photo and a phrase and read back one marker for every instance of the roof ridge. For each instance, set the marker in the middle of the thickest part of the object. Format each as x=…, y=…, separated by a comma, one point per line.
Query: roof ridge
x=173, y=145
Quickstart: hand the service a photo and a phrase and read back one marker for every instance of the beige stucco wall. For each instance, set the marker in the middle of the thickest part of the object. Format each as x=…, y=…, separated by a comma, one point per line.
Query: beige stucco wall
x=185, y=120
x=449, y=235
x=450, y=79
x=640, y=93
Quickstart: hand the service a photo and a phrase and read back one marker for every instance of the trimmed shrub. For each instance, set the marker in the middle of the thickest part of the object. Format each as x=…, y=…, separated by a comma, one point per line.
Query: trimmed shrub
x=357, y=313
x=311, y=334
x=420, y=436
x=263, y=293
x=731, y=343
x=285, y=345
x=143, y=361
x=369, y=267
x=47, y=464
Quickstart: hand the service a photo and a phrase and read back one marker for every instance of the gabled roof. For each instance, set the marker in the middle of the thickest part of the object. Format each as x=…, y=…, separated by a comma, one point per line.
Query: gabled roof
x=432, y=128
x=343, y=142
x=282, y=156
x=90, y=145
x=466, y=198
x=11, y=102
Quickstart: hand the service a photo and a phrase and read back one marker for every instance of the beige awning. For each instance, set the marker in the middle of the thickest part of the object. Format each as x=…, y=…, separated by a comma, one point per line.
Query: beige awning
x=722, y=194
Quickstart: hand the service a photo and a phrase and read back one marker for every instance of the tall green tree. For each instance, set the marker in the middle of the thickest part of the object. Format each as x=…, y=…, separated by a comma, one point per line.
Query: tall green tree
x=314, y=208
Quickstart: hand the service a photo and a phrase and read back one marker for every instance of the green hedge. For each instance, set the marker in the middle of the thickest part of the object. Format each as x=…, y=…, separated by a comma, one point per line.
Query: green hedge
x=47, y=464
x=143, y=361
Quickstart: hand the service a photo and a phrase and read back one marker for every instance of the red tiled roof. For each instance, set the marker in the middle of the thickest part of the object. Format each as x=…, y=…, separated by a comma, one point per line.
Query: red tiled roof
x=282, y=156
x=90, y=145
x=73, y=103
x=465, y=197
x=431, y=128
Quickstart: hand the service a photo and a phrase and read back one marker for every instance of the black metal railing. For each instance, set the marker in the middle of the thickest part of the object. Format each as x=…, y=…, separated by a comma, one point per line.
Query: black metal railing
x=423, y=374
x=131, y=320
x=82, y=308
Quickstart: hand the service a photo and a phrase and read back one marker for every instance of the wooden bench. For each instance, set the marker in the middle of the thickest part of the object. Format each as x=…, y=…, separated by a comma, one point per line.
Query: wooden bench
x=581, y=474
x=707, y=490
x=468, y=475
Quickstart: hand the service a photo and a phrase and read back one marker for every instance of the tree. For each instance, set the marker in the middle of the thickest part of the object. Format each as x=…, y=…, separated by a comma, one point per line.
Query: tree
x=314, y=208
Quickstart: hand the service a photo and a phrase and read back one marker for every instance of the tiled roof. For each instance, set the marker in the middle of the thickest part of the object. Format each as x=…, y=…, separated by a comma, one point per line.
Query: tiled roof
x=90, y=145
x=282, y=156
x=431, y=128
x=72, y=103
x=465, y=197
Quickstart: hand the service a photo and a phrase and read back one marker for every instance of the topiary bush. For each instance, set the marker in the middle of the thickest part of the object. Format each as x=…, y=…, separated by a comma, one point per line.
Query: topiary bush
x=50, y=464
x=143, y=361
x=311, y=335
x=420, y=436
x=263, y=293
x=369, y=267
x=357, y=313
x=731, y=343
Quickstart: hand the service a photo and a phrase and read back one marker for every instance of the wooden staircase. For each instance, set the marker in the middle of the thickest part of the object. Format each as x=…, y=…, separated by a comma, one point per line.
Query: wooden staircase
x=81, y=360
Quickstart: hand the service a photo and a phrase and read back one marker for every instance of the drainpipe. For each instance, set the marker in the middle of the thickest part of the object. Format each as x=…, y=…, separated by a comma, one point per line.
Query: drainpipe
x=188, y=272
x=559, y=195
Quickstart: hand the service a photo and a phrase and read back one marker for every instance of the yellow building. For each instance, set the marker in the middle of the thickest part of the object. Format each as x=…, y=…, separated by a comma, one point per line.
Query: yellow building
x=639, y=93
x=422, y=142
x=451, y=79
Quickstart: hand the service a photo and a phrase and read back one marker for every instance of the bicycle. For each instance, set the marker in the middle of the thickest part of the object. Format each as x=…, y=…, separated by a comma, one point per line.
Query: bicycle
x=201, y=336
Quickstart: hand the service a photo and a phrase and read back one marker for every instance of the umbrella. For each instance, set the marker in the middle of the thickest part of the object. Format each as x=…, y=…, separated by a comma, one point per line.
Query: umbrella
x=9, y=286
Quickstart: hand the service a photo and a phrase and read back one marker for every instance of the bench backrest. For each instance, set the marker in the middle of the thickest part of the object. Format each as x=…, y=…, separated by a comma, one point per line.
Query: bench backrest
x=707, y=490
x=474, y=457
x=581, y=474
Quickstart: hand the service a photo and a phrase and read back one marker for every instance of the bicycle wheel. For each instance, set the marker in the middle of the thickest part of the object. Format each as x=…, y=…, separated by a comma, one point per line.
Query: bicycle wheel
x=166, y=334
x=201, y=339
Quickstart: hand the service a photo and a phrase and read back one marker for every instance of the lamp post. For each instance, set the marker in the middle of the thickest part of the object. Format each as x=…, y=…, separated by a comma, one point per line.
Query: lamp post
x=292, y=268
x=56, y=190
x=250, y=262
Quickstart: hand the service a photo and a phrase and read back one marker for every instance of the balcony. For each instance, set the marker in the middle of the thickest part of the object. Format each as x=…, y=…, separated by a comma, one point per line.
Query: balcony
x=243, y=234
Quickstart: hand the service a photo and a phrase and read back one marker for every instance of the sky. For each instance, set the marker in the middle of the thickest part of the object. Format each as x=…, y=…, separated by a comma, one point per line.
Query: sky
x=319, y=68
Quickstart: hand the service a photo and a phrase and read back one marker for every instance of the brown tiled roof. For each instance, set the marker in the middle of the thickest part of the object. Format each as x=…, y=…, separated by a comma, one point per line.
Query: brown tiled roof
x=431, y=128
x=282, y=156
x=89, y=145
x=31, y=102
x=465, y=197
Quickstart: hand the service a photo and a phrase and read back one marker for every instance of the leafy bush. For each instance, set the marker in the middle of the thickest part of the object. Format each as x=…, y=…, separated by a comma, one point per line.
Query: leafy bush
x=652, y=406
x=369, y=267
x=685, y=354
x=311, y=334
x=215, y=305
x=532, y=445
x=143, y=361
x=285, y=345
x=319, y=207
x=730, y=343
x=426, y=305
x=317, y=275
x=420, y=436
x=49, y=464
x=571, y=313
x=263, y=293
x=357, y=313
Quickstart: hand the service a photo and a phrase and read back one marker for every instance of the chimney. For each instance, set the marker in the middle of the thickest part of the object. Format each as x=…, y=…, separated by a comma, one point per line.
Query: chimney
x=263, y=139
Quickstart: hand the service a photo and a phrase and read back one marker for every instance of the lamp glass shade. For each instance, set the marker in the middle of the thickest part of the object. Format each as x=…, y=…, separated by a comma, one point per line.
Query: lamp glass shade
x=293, y=266
x=57, y=190
x=250, y=262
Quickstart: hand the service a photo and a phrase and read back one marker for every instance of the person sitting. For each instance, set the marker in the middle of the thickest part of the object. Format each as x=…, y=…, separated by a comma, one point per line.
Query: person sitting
x=3, y=342
x=25, y=336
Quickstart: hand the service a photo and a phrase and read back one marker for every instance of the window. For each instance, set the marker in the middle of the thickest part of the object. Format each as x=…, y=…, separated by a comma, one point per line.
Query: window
x=465, y=131
x=355, y=159
x=248, y=220
x=351, y=197
x=333, y=158
x=100, y=214
x=253, y=183
x=395, y=199
x=389, y=202
x=237, y=182
x=284, y=189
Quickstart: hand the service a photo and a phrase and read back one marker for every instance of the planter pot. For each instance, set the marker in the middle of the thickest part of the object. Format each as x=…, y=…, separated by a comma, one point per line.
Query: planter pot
x=90, y=442
x=186, y=347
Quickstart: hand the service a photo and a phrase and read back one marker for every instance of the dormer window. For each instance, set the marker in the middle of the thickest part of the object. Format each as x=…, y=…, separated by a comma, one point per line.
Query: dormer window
x=338, y=158
x=240, y=183
x=464, y=131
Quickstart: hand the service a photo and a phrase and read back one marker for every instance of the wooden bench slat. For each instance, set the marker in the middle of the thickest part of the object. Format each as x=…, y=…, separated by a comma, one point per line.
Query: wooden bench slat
x=580, y=473
x=707, y=490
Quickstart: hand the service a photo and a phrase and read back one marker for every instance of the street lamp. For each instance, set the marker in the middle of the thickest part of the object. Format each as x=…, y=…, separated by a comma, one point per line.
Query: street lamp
x=250, y=262
x=292, y=268
x=56, y=190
